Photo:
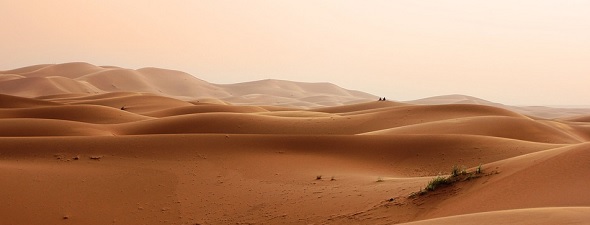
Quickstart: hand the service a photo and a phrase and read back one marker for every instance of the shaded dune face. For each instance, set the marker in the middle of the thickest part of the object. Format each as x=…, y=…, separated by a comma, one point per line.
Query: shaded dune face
x=123, y=156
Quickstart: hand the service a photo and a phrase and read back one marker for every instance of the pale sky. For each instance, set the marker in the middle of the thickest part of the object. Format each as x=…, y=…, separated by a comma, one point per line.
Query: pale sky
x=526, y=52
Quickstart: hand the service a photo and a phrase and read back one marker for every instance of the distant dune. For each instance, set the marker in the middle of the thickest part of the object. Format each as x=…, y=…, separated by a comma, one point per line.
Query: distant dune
x=84, y=78
x=82, y=144
x=536, y=111
x=78, y=78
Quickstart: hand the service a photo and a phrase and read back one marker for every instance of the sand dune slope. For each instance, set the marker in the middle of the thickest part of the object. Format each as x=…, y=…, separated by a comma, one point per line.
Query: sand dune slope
x=452, y=99
x=84, y=78
x=363, y=107
x=142, y=158
x=178, y=83
x=199, y=178
x=581, y=118
x=48, y=127
x=581, y=129
x=151, y=80
x=71, y=70
x=136, y=103
x=496, y=126
x=7, y=77
x=540, y=179
x=9, y=101
x=39, y=86
x=26, y=69
x=206, y=108
x=291, y=89
x=240, y=123
x=81, y=113
x=553, y=215
x=535, y=111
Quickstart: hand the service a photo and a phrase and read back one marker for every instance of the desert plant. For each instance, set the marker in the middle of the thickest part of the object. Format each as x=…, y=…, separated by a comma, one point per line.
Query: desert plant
x=435, y=182
x=457, y=174
x=318, y=177
x=478, y=169
x=458, y=170
x=455, y=171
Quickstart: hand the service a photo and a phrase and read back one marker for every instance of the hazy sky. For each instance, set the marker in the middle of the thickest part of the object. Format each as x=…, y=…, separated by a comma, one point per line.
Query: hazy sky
x=529, y=52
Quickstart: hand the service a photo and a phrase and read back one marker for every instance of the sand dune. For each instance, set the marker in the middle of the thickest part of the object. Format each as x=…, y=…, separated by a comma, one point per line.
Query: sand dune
x=7, y=77
x=57, y=97
x=176, y=83
x=546, y=170
x=261, y=99
x=151, y=80
x=26, y=69
x=452, y=99
x=581, y=118
x=68, y=70
x=291, y=89
x=81, y=113
x=84, y=78
x=496, y=126
x=302, y=123
x=47, y=127
x=208, y=175
x=137, y=103
x=364, y=107
x=206, y=108
x=552, y=215
x=534, y=111
x=8, y=101
x=39, y=86
x=85, y=144
x=69, y=98
x=230, y=123
x=581, y=129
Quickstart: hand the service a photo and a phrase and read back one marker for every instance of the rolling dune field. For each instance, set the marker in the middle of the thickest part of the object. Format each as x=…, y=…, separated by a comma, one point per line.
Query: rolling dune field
x=83, y=144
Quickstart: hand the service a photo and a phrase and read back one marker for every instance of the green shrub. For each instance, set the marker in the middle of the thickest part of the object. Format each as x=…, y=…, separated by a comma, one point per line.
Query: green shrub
x=435, y=182
x=458, y=170
x=457, y=174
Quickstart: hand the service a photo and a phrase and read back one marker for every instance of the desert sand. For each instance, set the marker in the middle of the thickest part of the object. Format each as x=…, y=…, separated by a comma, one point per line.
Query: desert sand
x=84, y=144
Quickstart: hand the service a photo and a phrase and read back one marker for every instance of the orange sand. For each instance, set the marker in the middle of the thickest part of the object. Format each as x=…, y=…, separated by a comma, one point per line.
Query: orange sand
x=217, y=154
